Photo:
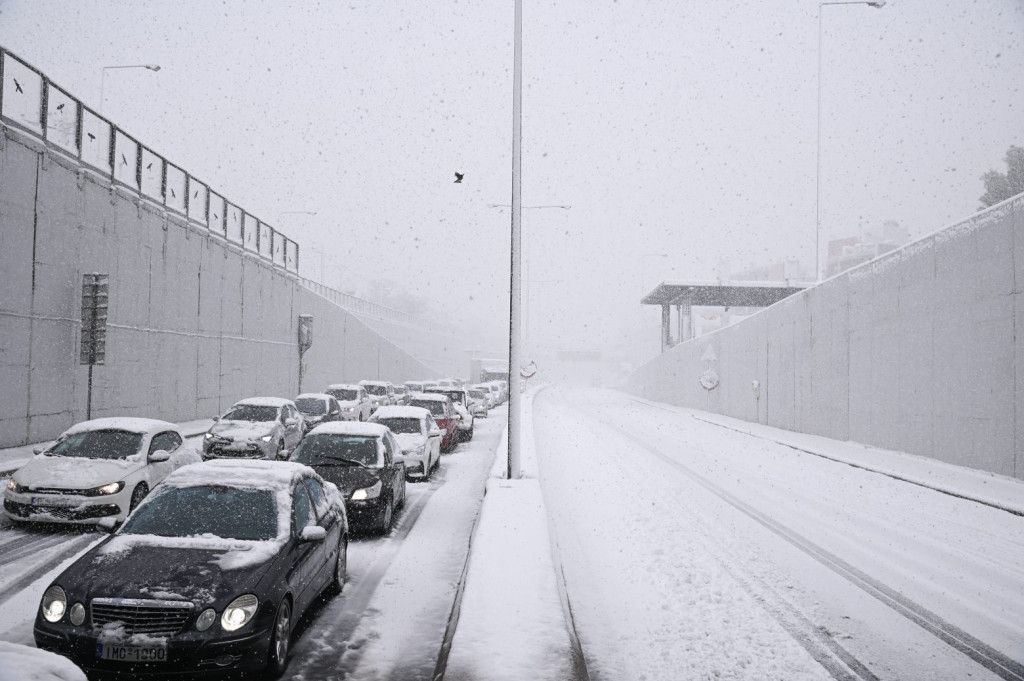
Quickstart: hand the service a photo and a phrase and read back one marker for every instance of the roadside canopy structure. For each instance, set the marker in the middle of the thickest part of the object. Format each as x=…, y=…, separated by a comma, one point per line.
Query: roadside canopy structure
x=683, y=296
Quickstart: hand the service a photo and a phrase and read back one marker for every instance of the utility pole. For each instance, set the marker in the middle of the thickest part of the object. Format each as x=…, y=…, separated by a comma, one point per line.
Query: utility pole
x=512, y=469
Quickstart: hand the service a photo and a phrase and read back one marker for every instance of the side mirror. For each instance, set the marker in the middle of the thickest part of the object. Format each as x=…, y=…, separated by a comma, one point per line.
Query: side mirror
x=335, y=412
x=312, y=533
x=38, y=450
x=106, y=525
x=436, y=432
x=291, y=421
x=159, y=455
x=215, y=418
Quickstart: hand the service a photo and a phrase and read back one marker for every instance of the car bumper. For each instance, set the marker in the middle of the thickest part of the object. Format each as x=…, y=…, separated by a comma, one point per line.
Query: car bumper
x=186, y=655
x=365, y=514
x=59, y=508
x=415, y=467
x=240, y=450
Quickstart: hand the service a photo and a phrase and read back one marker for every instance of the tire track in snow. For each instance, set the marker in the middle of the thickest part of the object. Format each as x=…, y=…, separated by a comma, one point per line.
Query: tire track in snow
x=961, y=641
x=319, y=659
x=817, y=641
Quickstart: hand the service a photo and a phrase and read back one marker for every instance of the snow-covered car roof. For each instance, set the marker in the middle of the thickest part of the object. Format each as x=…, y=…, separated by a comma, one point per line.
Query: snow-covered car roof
x=431, y=397
x=400, y=412
x=313, y=396
x=361, y=428
x=368, y=382
x=244, y=473
x=264, y=402
x=344, y=386
x=127, y=423
x=448, y=389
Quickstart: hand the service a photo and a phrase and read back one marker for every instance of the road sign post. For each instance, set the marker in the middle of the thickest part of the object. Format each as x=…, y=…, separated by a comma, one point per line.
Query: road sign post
x=93, y=346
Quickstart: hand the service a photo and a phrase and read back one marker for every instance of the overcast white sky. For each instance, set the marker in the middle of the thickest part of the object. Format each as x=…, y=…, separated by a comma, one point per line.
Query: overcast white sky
x=676, y=127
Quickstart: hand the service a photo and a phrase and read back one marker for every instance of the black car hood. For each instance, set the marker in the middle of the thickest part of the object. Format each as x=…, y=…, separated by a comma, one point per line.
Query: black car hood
x=119, y=569
x=349, y=478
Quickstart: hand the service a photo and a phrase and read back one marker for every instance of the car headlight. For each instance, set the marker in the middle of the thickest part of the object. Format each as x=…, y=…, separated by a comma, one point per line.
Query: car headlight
x=365, y=493
x=267, y=438
x=112, y=488
x=206, y=619
x=13, y=486
x=239, y=612
x=208, y=436
x=55, y=602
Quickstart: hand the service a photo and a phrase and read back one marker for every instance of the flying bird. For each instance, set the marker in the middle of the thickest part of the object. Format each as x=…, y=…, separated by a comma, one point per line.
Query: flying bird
x=91, y=136
x=60, y=107
x=124, y=161
x=17, y=85
x=458, y=178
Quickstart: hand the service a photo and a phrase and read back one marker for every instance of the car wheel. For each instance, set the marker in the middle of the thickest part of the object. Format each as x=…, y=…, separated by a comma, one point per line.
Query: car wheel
x=340, y=568
x=388, y=519
x=280, y=640
x=469, y=435
x=138, y=494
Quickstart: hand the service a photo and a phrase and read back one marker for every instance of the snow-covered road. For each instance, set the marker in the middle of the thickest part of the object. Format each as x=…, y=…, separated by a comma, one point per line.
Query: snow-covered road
x=693, y=551
x=391, y=618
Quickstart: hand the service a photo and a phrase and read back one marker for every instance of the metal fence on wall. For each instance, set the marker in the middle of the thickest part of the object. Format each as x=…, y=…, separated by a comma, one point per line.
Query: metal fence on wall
x=31, y=102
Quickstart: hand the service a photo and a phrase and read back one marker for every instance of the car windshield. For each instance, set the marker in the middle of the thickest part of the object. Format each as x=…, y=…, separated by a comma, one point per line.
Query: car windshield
x=376, y=390
x=98, y=444
x=334, y=449
x=343, y=394
x=314, y=406
x=402, y=425
x=436, y=408
x=251, y=412
x=477, y=395
x=218, y=510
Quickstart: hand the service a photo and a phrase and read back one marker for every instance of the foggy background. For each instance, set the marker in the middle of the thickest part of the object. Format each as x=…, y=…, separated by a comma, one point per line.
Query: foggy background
x=677, y=128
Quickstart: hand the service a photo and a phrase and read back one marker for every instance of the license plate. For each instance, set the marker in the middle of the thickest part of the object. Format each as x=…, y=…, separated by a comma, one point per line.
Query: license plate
x=122, y=653
x=54, y=501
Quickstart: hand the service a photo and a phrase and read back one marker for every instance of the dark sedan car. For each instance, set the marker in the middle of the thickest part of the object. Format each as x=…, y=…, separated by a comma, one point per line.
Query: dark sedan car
x=209, y=573
x=365, y=462
x=317, y=408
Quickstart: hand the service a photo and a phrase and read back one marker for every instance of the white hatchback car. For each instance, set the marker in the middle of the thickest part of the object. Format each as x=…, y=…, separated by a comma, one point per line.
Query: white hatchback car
x=417, y=434
x=97, y=469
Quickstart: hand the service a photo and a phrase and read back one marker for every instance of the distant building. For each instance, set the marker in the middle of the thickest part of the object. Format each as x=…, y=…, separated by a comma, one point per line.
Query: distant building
x=789, y=269
x=857, y=250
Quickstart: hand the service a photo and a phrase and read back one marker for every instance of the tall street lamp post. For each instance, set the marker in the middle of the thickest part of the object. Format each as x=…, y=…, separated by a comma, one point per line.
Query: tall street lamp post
x=103, y=75
x=877, y=4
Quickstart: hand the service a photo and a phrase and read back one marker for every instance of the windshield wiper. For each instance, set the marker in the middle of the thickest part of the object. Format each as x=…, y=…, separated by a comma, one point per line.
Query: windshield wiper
x=350, y=462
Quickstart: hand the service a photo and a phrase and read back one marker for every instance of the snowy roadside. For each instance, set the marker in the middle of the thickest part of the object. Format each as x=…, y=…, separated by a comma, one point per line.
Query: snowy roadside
x=511, y=624
x=994, y=490
x=13, y=458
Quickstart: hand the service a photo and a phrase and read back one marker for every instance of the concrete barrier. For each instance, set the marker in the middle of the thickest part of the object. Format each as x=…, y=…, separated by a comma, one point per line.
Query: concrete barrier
x=920, y=350
x=196, y=322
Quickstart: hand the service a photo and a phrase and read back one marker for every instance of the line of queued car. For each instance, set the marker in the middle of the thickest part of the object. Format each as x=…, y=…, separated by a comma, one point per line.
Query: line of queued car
x=214, y=555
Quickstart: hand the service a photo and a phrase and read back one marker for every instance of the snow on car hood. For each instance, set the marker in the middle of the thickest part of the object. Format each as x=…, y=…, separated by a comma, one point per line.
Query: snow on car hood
x=410, y=441
x=227, y=554
x=348, y=404
x=243, y=430
x=69, y=472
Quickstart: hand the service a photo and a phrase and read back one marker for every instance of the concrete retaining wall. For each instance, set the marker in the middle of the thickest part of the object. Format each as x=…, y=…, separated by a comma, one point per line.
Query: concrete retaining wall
x=195, y=322
x=920, y=350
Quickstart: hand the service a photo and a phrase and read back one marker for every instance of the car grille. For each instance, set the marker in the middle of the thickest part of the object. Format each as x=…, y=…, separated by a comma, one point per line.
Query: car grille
x=141, y=616
x=249, y=452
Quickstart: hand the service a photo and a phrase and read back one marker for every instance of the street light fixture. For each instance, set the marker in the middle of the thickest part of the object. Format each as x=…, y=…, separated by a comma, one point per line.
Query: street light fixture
x=877, y=4
x=103, y=75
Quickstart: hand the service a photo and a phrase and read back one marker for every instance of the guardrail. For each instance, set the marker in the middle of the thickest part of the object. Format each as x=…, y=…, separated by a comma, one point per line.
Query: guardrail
x=31, y=102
